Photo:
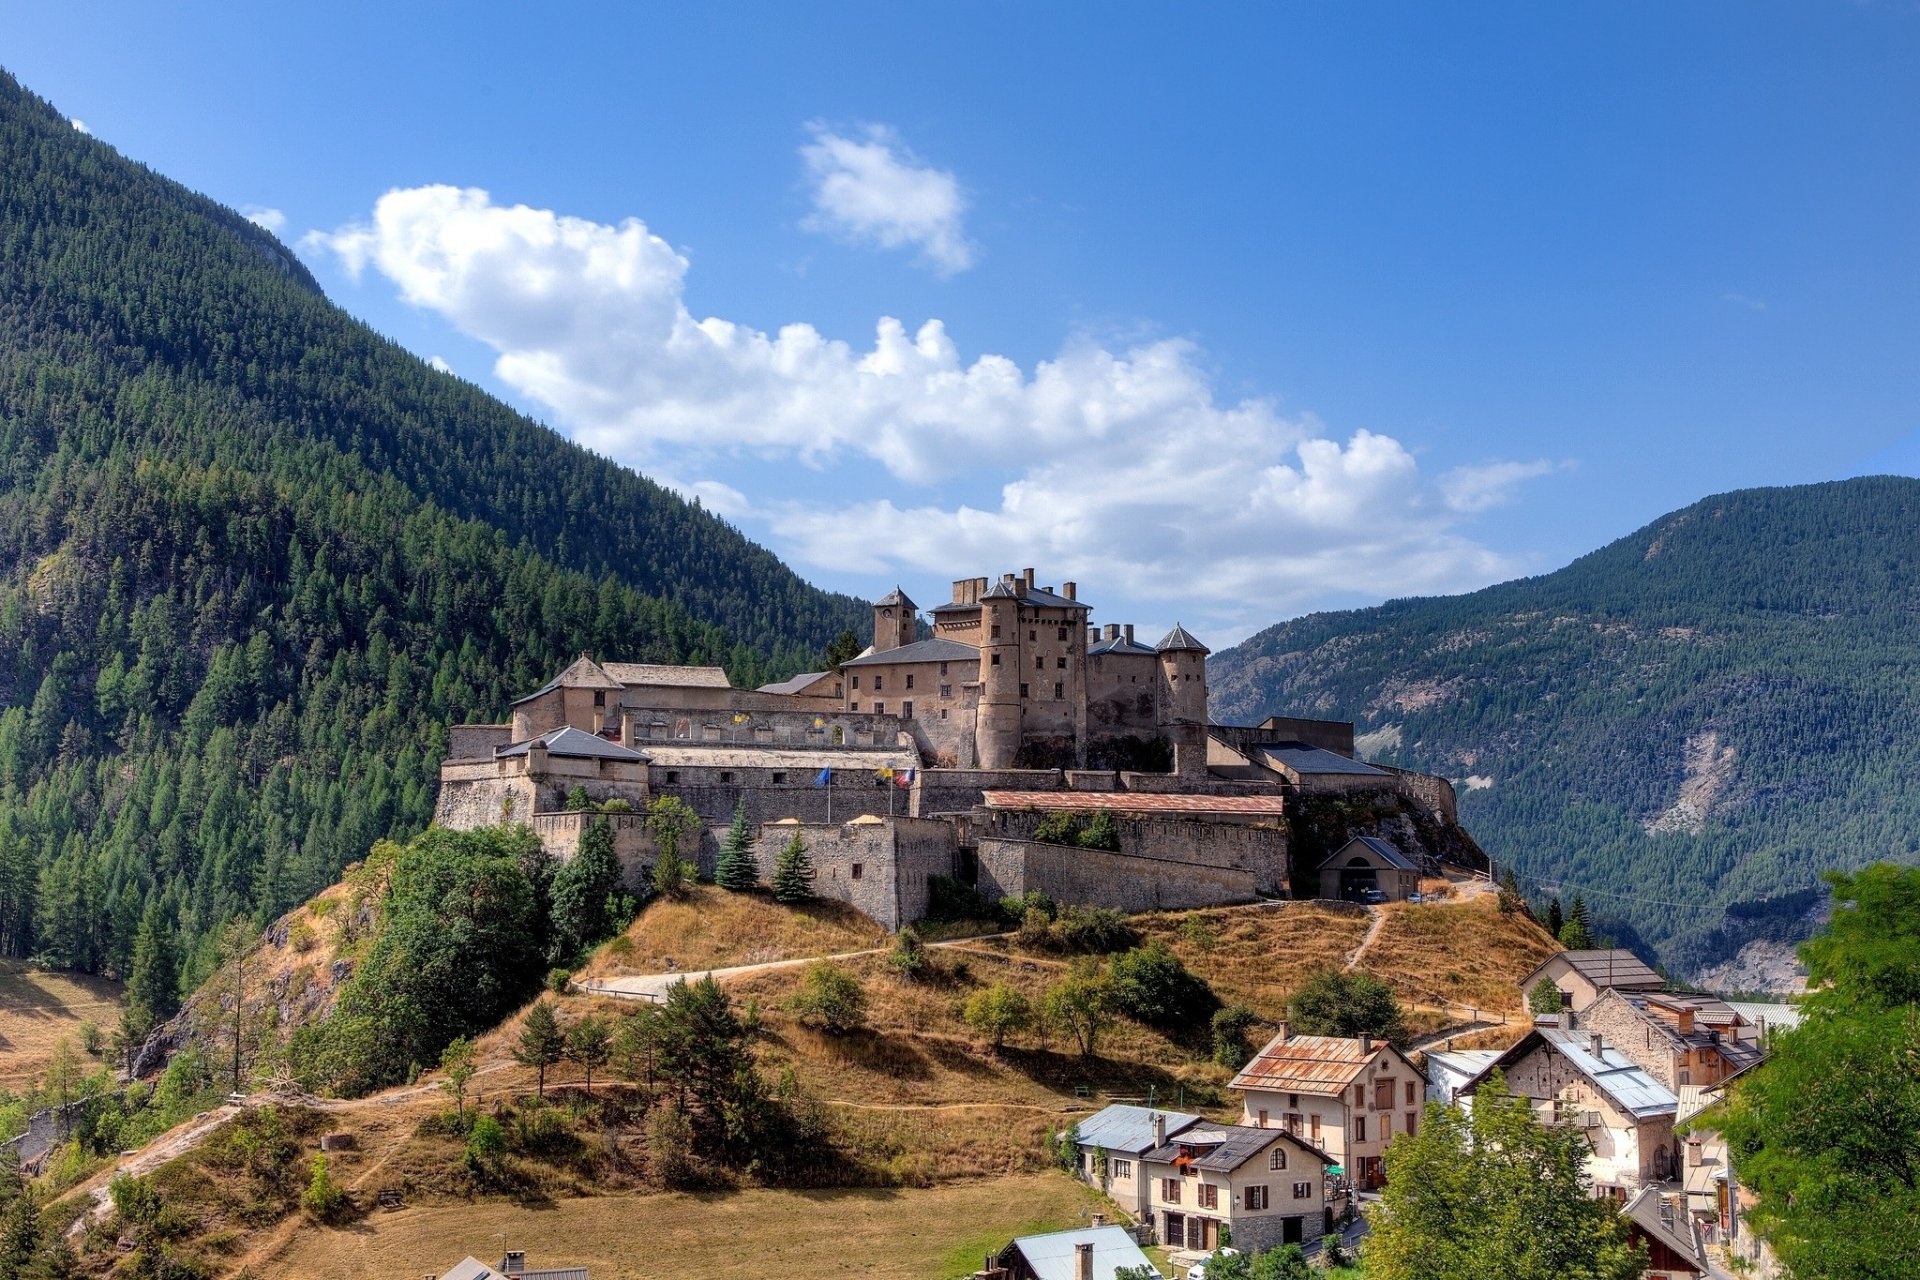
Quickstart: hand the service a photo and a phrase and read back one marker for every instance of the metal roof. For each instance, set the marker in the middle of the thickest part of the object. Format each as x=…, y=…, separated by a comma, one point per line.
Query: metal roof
x=1458, y=1065
x=1624, y=1082
x=1052, y=1257
x=1138, y=802
x=1768, y=1017
x=1308, y=1064
x=660, y=673
x=1374, y=845
x=937, y=649
x=1180, y=639
x=1668, y=1224
x=471, y=1268
x=1301, y=758
x=1121, y=1127
x=1228, y=1146
x=572, y=743
x=1034, y=597
x=793, y=684
x=1605, y=967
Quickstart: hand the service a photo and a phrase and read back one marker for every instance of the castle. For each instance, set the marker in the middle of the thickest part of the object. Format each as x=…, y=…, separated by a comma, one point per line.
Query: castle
x=938, y=756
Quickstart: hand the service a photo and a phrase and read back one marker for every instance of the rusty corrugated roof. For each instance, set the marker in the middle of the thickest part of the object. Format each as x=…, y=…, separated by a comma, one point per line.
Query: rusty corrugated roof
x=1138, y=802
x=1307, y=1064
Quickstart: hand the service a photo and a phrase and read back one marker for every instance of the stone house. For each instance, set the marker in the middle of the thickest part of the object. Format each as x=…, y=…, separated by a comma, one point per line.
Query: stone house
x=1345, y=1096
x=1265, y=1187
x=1582, y=975
x=1095, y=1252
x=1577, y=1078
x=1368, y=862
x=1659, y=1222
x=1679, y=1037
x=1115, y=1140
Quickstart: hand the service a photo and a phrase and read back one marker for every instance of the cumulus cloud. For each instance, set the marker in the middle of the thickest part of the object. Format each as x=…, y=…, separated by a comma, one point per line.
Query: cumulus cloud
x=80, y=125
x=440, y=363
x=1101, y=463
x=872, y=190
x=262, y=216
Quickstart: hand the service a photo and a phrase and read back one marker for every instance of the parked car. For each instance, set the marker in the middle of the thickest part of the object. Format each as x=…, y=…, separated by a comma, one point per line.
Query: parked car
x=1372, y=897
x=1198, y=1271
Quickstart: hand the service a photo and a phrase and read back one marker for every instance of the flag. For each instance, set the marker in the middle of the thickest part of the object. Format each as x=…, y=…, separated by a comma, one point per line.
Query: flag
x=823, y=778
x=903, y=779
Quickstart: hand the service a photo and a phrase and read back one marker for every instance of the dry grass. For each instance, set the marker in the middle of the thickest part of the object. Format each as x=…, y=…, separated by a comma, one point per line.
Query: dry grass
x=1463, y=954
x=39, y=1006
x=746, y=1235
x=1263, y=953
x=712, y=928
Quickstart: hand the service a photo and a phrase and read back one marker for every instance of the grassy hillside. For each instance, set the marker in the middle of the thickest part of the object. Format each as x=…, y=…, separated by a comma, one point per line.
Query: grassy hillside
x=39, y=1008
x=1688, y=725
x=254, y=559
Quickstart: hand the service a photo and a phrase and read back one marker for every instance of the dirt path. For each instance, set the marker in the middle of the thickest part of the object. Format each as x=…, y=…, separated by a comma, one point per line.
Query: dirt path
x=175, y=1142
x=1447, y=1033
x=653, y=986
x=1366, y=940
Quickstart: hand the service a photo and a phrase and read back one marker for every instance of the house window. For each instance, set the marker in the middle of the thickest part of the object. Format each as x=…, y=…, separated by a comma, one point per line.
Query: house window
x=1209, y=1196
x=673, y=775
x=879, y=708
x=909, y=679
x=600, y=698
x=1303, y=1191
x=943, y=668
x=943, y=713
x=779, y=776
x=946, y=691
x=1058, y=691
x=1256, y=1198
x=1170, y=1190
x=1410, y=1093
x=856, y=682
x=1383, y=1095
x=1293, y=1101
x=996, y=633
x=726, y=775
x=856, y=871
x=1686, y=1076
x=1023, y=690
x=837, y=690
x=1277, y=1158
x=853, y=706
x=1263, y=1117
x=1386, y=1126
x=1121, y=1170
x=1412, y=1116
x=879, y=683
x=1316, y=1128
x=906, y=710
x=1293, y=1123
x=1359, y=1128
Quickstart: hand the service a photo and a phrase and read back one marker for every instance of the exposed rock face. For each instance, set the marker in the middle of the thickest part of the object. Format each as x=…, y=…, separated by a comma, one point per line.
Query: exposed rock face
x=1761, y=965
x=1709, y=768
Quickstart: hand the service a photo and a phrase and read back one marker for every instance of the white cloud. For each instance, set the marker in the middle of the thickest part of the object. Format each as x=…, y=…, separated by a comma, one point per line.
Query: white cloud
x=80, y=125
x=873, y=190
x=262, y=216
x=1108, y=464
x=1745, y=300
x=440, y=363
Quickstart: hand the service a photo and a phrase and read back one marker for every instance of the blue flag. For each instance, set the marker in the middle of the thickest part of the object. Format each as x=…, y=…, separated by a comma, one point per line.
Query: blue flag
x=823, y=778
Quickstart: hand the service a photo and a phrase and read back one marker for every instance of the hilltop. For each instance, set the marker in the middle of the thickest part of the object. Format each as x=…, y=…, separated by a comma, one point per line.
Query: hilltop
x=1687, y=725
x=255, y=558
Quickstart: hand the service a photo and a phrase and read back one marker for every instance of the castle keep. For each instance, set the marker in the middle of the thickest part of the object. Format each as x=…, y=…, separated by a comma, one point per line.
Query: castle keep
x=937, y=754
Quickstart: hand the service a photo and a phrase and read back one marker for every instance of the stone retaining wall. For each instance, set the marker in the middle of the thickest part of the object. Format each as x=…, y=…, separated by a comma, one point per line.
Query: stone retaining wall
x=1096, y=877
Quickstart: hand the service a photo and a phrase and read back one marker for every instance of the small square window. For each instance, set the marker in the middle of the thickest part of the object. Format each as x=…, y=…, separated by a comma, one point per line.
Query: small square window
x=1033, y=635
x=1303, y=1191
x=856, y=871
x=943, y=713
x=1039, y=663
x=853, y=706
x=946, y=691
x=599, y=697
x=1061, y=663
x=879, y=708
x=779, y=776
x=673, y=775
x=726, y=775
x=996, y=660
x=996, y=633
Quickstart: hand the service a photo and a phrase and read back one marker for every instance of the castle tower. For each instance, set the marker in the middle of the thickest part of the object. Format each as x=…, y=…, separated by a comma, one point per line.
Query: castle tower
x=997, y=728
x=895, y=620
x=1182, y=709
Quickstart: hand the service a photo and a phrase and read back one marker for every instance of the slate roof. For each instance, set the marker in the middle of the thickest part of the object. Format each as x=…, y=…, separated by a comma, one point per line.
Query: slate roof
x=1621, y=1080
x=1228, y=1146
x=1180, y=639
x=660, y=673
x=1051, y=1256
x=572, y=743
x=1374, y=845
x=1122, y=1127
x=1307, y=1064
x=897, y=598
x=1036, y=598
x=678, y=752
x=582, y=673
x=1119, y=644
x=1605, y=967
x=793, y=684
x=1301, y=758
x=934, y=650
x=1138, y=802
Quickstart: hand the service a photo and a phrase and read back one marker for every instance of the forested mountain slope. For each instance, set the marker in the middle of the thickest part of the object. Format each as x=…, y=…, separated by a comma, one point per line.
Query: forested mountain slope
x=254, y=559
x=1689, y=724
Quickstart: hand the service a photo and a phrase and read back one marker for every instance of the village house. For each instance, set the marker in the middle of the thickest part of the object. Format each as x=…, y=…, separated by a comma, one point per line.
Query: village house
x=1347, y=1097
x=1114, y=1141
x=1451, y=1070
x=1576, y=1078
x=1582, y=975
x=1258, y=1187
x=1095, y=1252
x=1658, y=1221
x=1680, y=1038
x=1369, y=869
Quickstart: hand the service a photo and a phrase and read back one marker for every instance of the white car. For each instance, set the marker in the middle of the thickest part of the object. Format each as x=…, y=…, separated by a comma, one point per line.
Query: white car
x=1198, y=1271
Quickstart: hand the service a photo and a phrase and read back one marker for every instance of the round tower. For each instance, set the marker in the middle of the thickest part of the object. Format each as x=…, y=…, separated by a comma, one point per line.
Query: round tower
x=895, y=620
x=997, y=728
x=1182, y=709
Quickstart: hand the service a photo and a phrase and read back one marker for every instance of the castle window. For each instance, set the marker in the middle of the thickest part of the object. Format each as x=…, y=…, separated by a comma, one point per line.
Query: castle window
x=946, y=691
x=853, y=706
x=1033, y=635
x=906, y=711
x=996, y=660
x=856, y=871
x=1023, y=690
x=673, y=775
x=996, y=633
x=943, y=713
x=879, y=708
x=1063, y=633
x=779, y=776
x=726, y=775
x=1059, y=691
x=1061, y=663
x=1039, y=663
x=909, y=679
x=943, y=668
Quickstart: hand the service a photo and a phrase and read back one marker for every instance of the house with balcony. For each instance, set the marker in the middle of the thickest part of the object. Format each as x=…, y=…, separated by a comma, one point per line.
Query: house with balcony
x=1262, y=1187
x=1115, y=1140
x=1347, y=1096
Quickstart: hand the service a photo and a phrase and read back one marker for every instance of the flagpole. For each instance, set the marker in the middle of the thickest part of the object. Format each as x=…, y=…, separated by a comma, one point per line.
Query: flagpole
x=829, y=795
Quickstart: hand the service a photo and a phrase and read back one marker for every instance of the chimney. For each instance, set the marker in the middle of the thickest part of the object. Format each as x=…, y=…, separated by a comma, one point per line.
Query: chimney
x=1366, y=1044
x=1159, y=1129
x=1071, y=590
x=1083, y=1260
x=1093, y=636
x=537, y=756
x=1113, y=631
x=1280, y=1036
x=1028, y=575
x=1595, y=1045
x=1693, y=1152
x=1128, y=629
x=960, y=586
x=515, y=1263
x=1564, y=1019
x=1686, y=1022
x=1099, y=1219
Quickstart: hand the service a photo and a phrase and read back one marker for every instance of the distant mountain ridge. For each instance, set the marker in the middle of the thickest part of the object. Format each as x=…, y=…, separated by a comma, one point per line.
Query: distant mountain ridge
x=254, y=559
x=1688, y=724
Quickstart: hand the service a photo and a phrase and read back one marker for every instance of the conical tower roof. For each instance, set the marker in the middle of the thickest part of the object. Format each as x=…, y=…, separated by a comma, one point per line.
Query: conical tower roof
x=897, y=598
x=1180, y=639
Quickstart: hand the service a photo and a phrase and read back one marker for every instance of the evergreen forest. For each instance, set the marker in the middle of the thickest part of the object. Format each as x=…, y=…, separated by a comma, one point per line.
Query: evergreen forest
x=254, y=560
x=1687, y=726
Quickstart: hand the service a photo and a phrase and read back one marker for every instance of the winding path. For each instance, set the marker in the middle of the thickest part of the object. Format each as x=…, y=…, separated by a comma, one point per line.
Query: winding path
x=1366, y=940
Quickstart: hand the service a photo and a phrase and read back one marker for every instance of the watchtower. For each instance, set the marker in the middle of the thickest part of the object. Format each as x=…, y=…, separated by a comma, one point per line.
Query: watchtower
x=997, y=737
x=1183, y=700
x=895, y=621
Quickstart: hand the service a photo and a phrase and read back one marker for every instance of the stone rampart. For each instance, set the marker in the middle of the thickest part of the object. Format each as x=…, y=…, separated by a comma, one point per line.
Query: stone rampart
x=1257, y=846
x=633, y=844
x=1097, y=877
x=879, y=866
x=960, y=790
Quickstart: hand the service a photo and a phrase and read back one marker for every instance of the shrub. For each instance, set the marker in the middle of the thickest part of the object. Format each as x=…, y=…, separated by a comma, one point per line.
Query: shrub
x=832, y=996
x=1036, y=930
x=557, y=980
x=1015, y=906
x=1335, y=1003
x=485, y=1145
x=1082, y=1004
x=997, y=1012
x=1101, y=833
x=1062, y=826
x=619, y=804
x=300, y=936
x=1096, y=930
x=1230, y=1027
x=577, y=799
x=323, y=1197
x=670, y=1146
x=909, y=959
x=1152, y=986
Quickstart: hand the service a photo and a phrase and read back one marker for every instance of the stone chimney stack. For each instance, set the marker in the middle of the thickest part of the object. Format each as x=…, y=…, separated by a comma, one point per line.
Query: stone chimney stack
x=1093, y=636
x=1028, y=575
x=1113, y=631
x=1159, y=1129
x=1071, y=590
x=1128, y=631
x=1595, y=1045
x=1366, y=1044
x=1280, y=1036
x=1083, y=1260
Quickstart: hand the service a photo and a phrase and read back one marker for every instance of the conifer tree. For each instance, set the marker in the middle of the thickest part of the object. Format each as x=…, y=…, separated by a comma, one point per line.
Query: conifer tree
x=153, y=985
x=581, y=889
x=793, y=873
x=542, y=1043
x=737, y=870
x=1556, y=918
x=1577, y=933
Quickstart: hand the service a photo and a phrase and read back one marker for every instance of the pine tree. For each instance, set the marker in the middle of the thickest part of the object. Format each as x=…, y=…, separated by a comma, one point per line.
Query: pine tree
x=737, y=869
x=153, y=984
x=793, y=873
x=542, y=1043
x=1555, y=916
x=1576, y=934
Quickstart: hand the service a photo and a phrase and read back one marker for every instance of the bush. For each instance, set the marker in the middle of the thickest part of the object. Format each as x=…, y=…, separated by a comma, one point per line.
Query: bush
x=1335, y=1003
x=833, y=997
x=1152, y=986
x=1101, y=833
x=1096, y=930
x=670, y=1146
x=323, y=1197
x=1230, y=1027
x=1014, y=907
x=1062, y=826
x=997, y=1012
x=557, y=980
x=909, y=959
x=486, y=1144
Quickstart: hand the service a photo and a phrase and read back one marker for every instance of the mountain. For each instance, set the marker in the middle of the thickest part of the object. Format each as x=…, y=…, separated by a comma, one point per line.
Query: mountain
x=254, y=559
x=1687, y=725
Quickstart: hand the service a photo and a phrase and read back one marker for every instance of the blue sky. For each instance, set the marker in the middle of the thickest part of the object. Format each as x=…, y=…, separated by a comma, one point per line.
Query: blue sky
x=1237, y=312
